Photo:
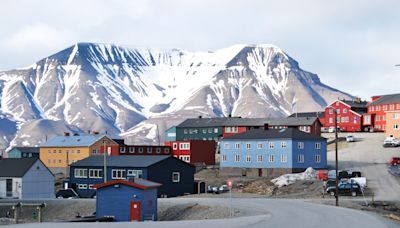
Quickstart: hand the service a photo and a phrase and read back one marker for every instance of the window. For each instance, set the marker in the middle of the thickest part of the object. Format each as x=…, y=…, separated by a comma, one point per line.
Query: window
x=209, y=130
x=317, y=146
x=226, y=145
x=377, y=118
x=59, y=161
x=224, y=157
x=158, y=150
x=175, y=146
x=391, y=107
x=184, y=146
x=185, y=131
x=72, y=151
x=122, y=149
x=397, y=106
x=271, y=158
x=259, y=145
x=67, y=151
x=383, y=118
x=259, y=158
x=317, y=158
x=396, y=116
x=149, y=150
x=185, y=158
x=300, y=158
x=48, y=151
x=80, y=173
x=345, y=110
x=231, y=129
x=215, y=130
x=396, y=126
x=337, y=111
x=135, y=173
x=248, y=158
x=141, y=150
x=91, y=186
x=54, y=160
x=49, y=161
x=330, y=120
x=283, y=158
x=338, y=119
x=377, y=108
x=248, y=146
x=95, y=173
x=82, y=186
x=60, y=151
x=93, y=151
x=371, y=108
x=204, y=131
x=330, y=111
x=271, y=145
x=300, y=145
x=237, y=158
x=283, y=144
x=176, y=177
x=166, y=150
x=237, y=145
x=384, y=107
x=78, y=151
x=118, y=174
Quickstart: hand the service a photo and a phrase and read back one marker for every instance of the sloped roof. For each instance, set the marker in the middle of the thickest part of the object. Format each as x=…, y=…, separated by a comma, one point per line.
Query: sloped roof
x=320, y=114
x=387, y=99
x=293, y=121
x=286, y=133
x=16, y=167
x=223, y=122
x=355, y=104
x=122, y=161
x=72, y=141
x=35, y=150
x=138, y=183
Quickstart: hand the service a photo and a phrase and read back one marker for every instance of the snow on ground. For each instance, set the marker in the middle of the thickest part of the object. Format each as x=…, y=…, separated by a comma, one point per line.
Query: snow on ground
x=286, y=179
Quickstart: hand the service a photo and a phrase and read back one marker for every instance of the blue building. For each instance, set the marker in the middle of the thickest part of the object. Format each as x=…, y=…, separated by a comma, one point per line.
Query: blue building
x=126, y=200
x=24, y=152
x=176, y=176
x=273, y=152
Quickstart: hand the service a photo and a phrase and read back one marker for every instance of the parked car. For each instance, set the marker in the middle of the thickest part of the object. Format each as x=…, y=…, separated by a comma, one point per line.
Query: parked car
x=223, y=188
x=391, y=142
x=350, y=138
x=212, y=189
x=322, y=175
x=348, y=188
x=68, y=193
x=347, y=174
x=394, y=161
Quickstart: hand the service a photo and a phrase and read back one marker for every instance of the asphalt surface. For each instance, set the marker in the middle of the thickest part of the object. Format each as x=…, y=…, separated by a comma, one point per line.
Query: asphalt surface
x=368, y=156
x=258, y=213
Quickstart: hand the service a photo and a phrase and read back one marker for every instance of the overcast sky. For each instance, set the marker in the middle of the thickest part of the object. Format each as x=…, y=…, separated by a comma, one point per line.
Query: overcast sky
x=352, y=45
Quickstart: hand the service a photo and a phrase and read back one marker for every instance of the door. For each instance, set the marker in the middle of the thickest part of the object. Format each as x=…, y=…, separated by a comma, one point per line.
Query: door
x=9, y=188
x=135, y=211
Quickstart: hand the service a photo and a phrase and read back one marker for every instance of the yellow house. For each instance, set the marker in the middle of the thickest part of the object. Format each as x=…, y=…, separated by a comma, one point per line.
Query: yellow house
x=393, y=124
x=62, y=150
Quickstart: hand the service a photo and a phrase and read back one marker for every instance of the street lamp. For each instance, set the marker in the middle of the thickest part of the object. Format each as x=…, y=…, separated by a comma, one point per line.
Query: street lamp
x=336, y=157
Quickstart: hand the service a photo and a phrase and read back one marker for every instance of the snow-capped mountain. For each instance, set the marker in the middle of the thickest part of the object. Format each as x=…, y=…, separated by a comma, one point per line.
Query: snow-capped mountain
x=102, y=87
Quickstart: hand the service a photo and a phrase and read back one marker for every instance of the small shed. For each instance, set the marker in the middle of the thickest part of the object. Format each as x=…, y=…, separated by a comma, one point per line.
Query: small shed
x=124, y=200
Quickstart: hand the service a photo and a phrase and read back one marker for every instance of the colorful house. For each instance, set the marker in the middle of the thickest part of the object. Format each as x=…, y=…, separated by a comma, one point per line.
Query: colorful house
x=272, y=152
x=176, y=176
x=25, y=178
x=196, y=152
x=134, y=200
x=24, y=152
x=375, y=119
x=349, y=114
x=62, y=151
x=307, y=124
x=392, y=128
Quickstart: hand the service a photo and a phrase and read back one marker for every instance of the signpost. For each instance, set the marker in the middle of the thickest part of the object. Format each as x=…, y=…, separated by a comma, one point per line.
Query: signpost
x=229, y=183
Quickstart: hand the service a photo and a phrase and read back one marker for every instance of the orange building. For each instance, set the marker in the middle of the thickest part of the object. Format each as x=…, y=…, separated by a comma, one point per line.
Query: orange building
x=393, y=124
x=62, y=150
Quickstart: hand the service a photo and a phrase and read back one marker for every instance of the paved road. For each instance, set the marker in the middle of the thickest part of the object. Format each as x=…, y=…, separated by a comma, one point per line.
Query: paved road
x=264, y=213
x=368, y=156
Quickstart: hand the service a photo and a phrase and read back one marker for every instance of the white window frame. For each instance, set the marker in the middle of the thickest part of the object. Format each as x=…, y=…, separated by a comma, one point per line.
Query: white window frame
x=82, y=186
x=237, y=158
x=226, y=146
x=185, y=158
x=140, y=150
x=259, y=145
x=175, y=146
x=318, y=146
x=271, y=158
x=135, y=173
x=283, y=158
x=300, y=158
x=131, y=149
x=224, y=157
x=248, y=158
x=118, y=174
x=122, y=150
x=166, y=150
x=248, y=146
x=300, y=145
x=149, y=150
x=158, y=150
x=283, y=144
x=271, y=145
x=317, y=158
x=237, y=146
x=96, y=173
x=260, y=158
x=176, y=177
x=80, y=173
x=215, y=130
x=184, y=146
x=91, y=186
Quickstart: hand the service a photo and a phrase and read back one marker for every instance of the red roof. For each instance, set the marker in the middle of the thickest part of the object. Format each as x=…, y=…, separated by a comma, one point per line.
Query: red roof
x=139, y=183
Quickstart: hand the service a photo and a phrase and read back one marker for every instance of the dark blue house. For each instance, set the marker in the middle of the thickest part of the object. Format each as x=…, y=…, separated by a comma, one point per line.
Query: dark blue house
x=127, y=200
x=176, y=176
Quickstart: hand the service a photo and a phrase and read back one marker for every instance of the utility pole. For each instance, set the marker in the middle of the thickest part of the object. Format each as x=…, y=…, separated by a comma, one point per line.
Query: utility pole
x=336, y=159
x=105, y=160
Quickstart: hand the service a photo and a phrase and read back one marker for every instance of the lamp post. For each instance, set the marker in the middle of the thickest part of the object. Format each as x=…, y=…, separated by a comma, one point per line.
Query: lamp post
x=105, y=160
x=336, y=158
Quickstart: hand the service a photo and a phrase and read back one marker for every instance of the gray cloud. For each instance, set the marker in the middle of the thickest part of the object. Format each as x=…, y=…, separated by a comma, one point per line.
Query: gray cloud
x=351, y=45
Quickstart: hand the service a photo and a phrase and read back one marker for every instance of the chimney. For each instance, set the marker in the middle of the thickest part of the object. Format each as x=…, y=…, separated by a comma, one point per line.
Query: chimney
x=358, y=99
x=65, y=134
x=266, y=126
x=230, y=115
x=95, y=132
x=200, y=117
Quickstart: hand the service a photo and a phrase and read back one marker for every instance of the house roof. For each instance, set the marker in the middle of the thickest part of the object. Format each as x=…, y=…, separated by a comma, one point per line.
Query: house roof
x=293, y=121
x=122, y=161
x=138, y=183
x=355, y=103
x=15, y=167
x=28, y=149
x=320, y=114
x=120, y=142
x=285, y=133
x=223, y=122
x=73, y=141
x=387, y=99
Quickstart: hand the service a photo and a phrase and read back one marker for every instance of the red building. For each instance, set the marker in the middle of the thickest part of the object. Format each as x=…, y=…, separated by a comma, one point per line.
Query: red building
x=122, y=149
x=196, y=152
x=375, y=119
x=349, y=114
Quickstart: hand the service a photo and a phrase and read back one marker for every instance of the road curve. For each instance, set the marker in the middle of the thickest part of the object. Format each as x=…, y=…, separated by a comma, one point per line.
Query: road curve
x=258, y=213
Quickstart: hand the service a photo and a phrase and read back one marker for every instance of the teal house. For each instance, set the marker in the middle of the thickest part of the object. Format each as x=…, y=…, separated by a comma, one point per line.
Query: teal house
x=24, y=152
